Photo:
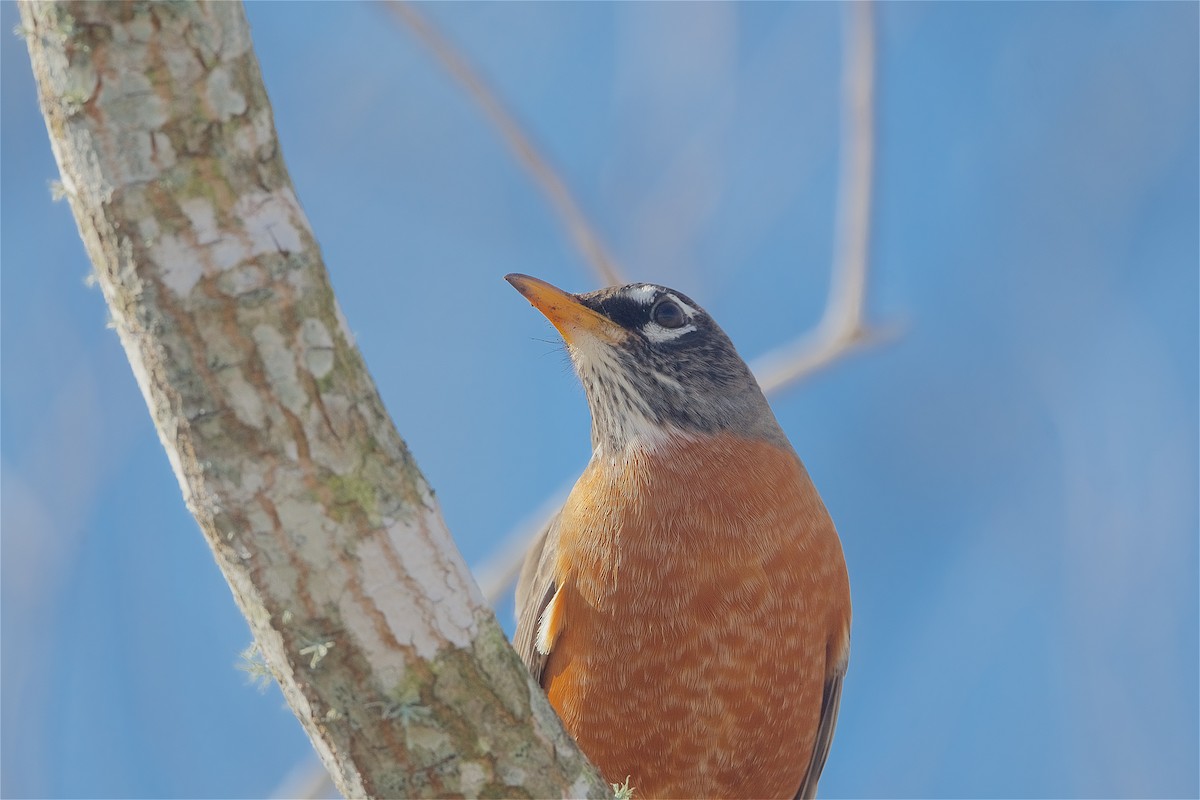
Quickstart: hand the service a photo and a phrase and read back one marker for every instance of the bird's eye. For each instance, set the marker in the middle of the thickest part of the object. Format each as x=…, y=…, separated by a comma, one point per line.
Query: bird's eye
x=668, y=314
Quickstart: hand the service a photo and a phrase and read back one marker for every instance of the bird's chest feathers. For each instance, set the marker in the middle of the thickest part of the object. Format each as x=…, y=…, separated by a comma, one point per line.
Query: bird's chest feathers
x=654, y=529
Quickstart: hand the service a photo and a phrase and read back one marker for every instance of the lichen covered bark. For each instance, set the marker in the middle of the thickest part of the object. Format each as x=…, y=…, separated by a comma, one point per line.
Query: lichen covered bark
x=324, y=527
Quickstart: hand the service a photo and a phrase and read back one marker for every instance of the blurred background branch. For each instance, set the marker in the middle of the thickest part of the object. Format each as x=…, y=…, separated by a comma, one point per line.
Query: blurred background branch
x=522, y=145
x=842, y=327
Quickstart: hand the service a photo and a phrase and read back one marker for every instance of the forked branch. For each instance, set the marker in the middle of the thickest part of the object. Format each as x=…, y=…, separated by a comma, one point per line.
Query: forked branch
x=842, y=326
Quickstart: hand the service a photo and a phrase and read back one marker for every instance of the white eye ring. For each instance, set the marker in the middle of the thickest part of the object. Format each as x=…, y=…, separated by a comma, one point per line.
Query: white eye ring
x=657, y=332
x=667, y=313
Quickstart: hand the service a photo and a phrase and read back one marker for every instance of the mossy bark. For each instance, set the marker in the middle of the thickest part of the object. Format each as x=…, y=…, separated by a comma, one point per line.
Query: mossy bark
x=324, y=527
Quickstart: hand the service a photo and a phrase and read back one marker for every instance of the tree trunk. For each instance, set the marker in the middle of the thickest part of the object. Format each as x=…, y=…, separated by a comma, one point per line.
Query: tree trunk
x=330, y=538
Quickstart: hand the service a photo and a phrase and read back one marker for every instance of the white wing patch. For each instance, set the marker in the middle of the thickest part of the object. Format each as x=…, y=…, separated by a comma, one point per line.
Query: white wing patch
x=548, y=625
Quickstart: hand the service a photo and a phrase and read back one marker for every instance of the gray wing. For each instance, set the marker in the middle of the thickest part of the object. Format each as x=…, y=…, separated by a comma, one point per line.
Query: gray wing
x=829, y=713
x=535, y=589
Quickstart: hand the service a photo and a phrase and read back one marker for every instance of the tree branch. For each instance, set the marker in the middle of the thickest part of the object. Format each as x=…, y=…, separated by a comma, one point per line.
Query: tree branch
x=325, y=529
x=518, y=141
x=842, y=326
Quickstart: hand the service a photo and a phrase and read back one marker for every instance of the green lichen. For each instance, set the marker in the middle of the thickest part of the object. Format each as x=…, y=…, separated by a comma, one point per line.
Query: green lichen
x=200, y=184
x=328, y=381
x=353, y=494
x=503, y=669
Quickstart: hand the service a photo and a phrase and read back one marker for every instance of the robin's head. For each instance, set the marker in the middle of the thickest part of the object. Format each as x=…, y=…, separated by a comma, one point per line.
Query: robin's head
x=653, y=364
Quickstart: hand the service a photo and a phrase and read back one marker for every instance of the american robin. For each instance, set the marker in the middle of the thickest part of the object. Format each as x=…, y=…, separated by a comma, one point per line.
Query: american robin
x=688, y=610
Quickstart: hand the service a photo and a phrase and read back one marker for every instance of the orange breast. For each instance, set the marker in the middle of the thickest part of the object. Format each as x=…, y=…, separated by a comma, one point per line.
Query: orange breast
x=703, y=602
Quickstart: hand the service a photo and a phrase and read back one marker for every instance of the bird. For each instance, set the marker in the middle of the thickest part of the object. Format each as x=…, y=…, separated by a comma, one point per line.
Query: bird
x=687, y=610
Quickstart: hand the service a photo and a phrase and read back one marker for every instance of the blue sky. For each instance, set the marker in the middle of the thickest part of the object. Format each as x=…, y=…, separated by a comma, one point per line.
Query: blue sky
x=1014, y=474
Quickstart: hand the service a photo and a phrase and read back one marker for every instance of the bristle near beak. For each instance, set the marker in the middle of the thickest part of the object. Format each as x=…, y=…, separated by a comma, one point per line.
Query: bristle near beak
x=565, y=311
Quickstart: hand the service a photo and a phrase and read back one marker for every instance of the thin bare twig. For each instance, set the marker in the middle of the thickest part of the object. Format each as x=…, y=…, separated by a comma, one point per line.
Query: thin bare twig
x=521, y=144
x=841, y=328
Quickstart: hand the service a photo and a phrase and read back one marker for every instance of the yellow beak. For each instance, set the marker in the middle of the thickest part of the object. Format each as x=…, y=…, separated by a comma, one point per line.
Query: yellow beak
x=565, y=312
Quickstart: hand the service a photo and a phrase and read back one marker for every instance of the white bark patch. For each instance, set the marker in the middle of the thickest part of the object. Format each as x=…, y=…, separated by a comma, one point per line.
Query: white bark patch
x=226, y=101
x=513, y=775
x=337, y=410
x=178, y=264
x=445, y=616
x=581, y=787
x=234, y=35
x=227, y=253
x=242, y=280
x=164, y=151
x=129, y=100
x=473, y=776
x=252, y=138
x=430, y=739
x=263, y=127
x=138, y=29
x=267, y=222
x=280, y=367
x=203, y=218
x=185, y=69
x=317, y=345
x=259, y=521
x=387, y=661
x=243, y=398
x=148, y=230
x=426, y=566
x=253, y=479
x=81, y=80
x=267, y=227
x=137, y=163
x=386, y=591
x=305, y=524
x=324, y=446
x=132, y=108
